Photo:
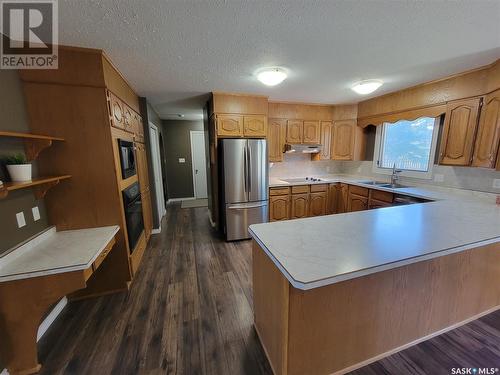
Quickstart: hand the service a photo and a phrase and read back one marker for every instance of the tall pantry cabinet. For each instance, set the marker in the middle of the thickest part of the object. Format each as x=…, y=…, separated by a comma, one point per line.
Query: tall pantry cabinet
x=88, y=103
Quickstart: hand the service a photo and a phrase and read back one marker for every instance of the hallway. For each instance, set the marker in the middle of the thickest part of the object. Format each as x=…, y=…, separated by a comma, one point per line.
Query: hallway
x=189, y=311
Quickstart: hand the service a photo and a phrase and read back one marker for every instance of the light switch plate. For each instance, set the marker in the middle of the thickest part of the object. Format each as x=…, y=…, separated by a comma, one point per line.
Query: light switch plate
x=36, y=213
x=182, y=160
x=439, y=177
x=21, y=222
x=496, y=183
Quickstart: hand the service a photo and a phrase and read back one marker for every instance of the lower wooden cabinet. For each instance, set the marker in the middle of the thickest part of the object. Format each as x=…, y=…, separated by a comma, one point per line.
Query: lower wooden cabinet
x=299, y=206
x=279, y=207
x=374, y=203
x=317, y=204
x=357, y=202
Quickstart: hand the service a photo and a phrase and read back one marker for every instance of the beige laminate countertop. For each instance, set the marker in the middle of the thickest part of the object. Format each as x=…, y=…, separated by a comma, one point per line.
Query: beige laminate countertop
x=323, y=250
x=55, y=252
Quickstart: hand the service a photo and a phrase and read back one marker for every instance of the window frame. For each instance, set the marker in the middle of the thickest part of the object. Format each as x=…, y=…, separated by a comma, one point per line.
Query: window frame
x=379, y=137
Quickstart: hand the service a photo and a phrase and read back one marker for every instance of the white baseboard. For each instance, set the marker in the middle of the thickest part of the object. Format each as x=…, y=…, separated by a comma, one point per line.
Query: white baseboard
x=180, y=199
x=47, y=322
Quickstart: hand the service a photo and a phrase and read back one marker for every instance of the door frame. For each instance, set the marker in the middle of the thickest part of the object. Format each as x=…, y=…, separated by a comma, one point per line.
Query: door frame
x=160, y=201
x=192, y=159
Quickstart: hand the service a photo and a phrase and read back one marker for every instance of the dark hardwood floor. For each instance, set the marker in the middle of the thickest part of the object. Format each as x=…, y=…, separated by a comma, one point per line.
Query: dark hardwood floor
x=189, y=311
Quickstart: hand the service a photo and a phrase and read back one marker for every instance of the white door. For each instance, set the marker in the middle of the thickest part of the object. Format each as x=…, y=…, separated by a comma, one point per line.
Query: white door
x=155, y=153
x=199, y=163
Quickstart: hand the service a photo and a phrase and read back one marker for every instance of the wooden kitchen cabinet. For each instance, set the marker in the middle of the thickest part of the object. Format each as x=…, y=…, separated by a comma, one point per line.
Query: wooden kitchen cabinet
x=374, y=203
x=142, y=166
x=343, y=140
x=311, y=132
x=294, y=131
x=276, y=138
x=342, y=198
x=317, y=204
x=326, y=140
x=255, y=126
x=116, y=111
x=299, y=206
x=488, y=133
x=332, y=198
x=459, y=131
x=357, y=203
x=279, y=207
x=229, y=125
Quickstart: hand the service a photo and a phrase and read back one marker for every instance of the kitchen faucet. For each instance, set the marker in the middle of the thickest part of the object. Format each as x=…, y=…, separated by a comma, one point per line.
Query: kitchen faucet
x=394, y=175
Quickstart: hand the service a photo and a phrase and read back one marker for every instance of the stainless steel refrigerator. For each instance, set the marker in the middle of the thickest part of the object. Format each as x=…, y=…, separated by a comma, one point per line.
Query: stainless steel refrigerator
x=245, y=185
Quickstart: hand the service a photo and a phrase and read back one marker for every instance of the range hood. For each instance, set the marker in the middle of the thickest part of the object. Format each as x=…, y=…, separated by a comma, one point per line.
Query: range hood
x=301, y=148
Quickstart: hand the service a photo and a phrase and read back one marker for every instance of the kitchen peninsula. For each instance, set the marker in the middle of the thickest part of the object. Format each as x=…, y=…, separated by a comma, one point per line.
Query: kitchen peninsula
x=333, y=293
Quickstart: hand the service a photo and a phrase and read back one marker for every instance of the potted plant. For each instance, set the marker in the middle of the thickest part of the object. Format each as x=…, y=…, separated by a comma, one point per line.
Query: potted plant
x=18, y=167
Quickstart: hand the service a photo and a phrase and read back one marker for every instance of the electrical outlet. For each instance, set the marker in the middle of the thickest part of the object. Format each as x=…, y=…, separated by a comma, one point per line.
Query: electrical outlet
x=182, y=160
x=496, y=183
x=439, y=177
x=21, y=222
x=36, y=213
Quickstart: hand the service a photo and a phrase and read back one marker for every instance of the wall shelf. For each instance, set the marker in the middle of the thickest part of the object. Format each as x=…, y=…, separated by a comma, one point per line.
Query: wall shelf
x=40, y=185
x=33, y=143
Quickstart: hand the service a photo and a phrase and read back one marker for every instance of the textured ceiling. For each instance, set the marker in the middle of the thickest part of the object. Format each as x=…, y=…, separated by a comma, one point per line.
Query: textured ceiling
x=175, y=52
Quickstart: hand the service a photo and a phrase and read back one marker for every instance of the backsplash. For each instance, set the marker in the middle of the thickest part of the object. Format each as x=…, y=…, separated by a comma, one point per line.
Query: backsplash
x=300, y=165
x=479, y=179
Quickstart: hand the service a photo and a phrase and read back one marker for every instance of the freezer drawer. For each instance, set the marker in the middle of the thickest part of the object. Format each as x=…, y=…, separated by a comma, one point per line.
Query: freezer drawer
x=240, y=215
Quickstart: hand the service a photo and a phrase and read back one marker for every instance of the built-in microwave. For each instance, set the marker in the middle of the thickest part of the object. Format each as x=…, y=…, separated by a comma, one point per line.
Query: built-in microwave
x=127, y=158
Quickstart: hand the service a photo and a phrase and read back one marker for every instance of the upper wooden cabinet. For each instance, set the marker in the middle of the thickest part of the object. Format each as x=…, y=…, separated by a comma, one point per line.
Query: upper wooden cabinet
x=294, y=131
x=255, y=126
x=317, y=204
x=251, y=126
x=123, y=117
x=326, y=140
x=343, y=140
x=459, y=130
x=116, y=112
x=229, y=125
x=279, y=207
x=276, y=139
x=488, y=134
x=311, y=132
x=299, y=206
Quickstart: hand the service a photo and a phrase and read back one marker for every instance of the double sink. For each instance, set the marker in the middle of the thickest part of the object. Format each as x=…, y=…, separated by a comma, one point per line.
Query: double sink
x=383, y=184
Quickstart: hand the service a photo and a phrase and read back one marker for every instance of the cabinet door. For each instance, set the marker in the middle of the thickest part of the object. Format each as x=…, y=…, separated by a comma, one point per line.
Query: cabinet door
x=342, y=198
x=459, y=130
x=279, y=208
x=317, y=204
x=300, y=205
x=488, y=133
x=357, y=203
x=142, y=166
x=116, y=112
x=255, y=126
x=229, y=125
x=374, y=203
x=294, y=131
x=343, y=140
x=276, y=139
x=326, y=140
x=332, y=199
x=312, y=132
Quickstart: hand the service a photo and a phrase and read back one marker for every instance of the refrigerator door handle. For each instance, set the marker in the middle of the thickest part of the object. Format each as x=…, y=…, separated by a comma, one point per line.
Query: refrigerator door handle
x=245, y=171
x=249, y=170
x=246, y=205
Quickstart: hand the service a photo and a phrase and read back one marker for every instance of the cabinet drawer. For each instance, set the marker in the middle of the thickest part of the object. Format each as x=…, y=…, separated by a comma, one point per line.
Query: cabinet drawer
x=374, y=203
x=380, y=195
x=103, y=254
x=319, y=187
x=358, y=190
x=300, y=189
x=279, y=191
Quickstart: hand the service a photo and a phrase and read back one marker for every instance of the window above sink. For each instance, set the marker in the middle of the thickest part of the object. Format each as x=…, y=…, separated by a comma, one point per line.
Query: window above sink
x=409, y=145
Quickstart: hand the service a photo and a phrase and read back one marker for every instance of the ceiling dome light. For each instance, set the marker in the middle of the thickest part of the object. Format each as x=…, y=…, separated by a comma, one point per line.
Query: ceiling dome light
x=271, y=76
x=367, y=87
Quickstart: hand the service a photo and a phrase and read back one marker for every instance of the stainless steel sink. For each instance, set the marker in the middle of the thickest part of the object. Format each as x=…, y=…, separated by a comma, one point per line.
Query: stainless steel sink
x=391, y=186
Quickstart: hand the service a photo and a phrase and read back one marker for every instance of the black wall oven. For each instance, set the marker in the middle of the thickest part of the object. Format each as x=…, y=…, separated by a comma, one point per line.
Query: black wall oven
x=127, y=158
x=133, y=214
